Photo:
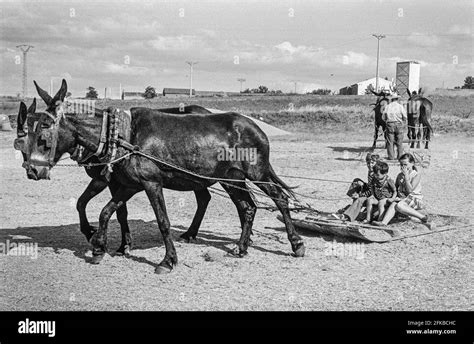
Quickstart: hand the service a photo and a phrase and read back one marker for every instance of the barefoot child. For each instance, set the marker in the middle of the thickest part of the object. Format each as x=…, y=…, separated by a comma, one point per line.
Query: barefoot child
x=383, y=191
x=409, y=198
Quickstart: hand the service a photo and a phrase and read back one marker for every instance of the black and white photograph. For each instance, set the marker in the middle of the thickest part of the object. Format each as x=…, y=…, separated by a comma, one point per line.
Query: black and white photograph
x=276, y=159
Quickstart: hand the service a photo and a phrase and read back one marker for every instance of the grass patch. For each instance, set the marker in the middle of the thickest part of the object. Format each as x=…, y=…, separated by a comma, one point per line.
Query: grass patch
x=302, y=113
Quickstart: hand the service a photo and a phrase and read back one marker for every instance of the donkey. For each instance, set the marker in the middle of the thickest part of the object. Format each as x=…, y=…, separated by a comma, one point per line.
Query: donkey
x=24, y=132
x=25, y=124
x=191, y=143
x=419, y=111
x=379, y=105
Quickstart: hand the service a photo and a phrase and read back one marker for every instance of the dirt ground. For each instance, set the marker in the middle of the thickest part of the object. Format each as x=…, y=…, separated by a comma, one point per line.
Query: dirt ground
x=433, y=272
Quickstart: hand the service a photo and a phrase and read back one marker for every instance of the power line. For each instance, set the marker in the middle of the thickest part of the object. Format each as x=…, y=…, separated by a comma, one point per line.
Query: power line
x=241, y=80
x=379, y=37
x=24, y=48
x=191, y=64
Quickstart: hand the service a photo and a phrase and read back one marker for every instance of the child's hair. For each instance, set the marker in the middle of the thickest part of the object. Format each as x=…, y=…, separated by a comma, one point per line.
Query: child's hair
x=381, y=167
x=410, y=158
x=372, y=157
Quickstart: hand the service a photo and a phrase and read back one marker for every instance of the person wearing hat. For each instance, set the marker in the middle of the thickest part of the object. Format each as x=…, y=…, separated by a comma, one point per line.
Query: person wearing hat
x=394, y=114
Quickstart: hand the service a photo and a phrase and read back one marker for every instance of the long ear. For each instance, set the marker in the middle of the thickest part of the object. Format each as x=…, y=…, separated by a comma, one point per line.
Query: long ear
x=32, y=108
x=21, y=118
x=375, y=93
x=43, y=94
x=408, y=92
x=61, y=93
x=419, y=91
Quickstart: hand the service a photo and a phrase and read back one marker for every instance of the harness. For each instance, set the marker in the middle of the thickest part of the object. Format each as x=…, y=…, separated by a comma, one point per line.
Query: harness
x=115, y=133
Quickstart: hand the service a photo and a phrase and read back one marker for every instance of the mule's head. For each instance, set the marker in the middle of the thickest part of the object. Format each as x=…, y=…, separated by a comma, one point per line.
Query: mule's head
x=415, y=96
x=26, y=122
x=382, y=100
x=51, y=137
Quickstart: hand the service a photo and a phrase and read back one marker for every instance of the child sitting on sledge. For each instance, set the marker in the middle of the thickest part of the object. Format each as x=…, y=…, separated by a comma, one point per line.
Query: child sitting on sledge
x=359, y=191
x=409, y=198
x=383, y=191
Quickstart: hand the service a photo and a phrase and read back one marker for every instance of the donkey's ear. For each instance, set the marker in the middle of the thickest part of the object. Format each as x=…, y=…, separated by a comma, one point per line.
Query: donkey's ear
x=32, y=108
x=21, y=118
x=408, y=92
x=419, y=91
x=43, y=94
x=61, y=93
x=374, y=92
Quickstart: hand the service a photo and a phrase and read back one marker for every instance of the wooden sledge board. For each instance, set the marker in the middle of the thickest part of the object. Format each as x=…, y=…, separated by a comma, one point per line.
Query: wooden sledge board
x=341, y=228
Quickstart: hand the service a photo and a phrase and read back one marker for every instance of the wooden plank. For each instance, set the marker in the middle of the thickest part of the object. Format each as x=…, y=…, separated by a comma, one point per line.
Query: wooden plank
x=341, y=229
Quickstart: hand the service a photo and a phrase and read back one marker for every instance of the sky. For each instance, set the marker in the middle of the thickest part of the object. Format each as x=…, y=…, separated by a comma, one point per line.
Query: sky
x=315, y=44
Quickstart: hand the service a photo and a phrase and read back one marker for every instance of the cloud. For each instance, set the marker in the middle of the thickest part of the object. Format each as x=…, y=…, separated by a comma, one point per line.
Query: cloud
x=460, y=30
x=175, y=43
x=125, y=69
x=423, y=40
x=354, y=59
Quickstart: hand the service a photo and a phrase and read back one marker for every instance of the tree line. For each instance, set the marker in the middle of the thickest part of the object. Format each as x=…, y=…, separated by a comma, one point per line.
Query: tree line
x=150, y=92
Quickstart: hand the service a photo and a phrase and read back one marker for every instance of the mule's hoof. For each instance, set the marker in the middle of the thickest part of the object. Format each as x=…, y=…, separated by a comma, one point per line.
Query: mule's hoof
x=123, y=251
x=96, y=259
x=160, y=269
x=300, y=251
x=237, y=252
x=188, y=238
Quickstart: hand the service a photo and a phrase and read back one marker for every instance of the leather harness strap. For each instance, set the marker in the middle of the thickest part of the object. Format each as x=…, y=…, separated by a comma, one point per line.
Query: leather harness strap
x=103, y=134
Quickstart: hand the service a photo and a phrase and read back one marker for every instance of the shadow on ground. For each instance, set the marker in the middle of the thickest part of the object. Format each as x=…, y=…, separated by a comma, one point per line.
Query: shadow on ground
x=145, y=235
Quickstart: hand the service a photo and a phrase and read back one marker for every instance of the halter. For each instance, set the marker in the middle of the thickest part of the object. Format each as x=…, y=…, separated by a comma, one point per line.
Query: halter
x=50, y=136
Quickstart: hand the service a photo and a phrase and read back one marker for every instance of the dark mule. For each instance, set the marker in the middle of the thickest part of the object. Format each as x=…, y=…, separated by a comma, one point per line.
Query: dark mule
x=26, y=120
x=193, y=142
x=419, y=111
x=24, y=131
x=379, y=105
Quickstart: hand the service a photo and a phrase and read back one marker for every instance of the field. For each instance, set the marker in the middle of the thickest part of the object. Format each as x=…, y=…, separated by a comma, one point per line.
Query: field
x=331, y=136
x=307, y=113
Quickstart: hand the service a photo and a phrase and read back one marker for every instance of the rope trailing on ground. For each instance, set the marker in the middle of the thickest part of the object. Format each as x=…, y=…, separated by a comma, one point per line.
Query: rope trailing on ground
x=430, y=232
x=319, y=179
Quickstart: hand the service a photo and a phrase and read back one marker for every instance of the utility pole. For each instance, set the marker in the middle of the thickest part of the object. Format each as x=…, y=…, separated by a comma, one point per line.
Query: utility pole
x=295, y=82
x=241, y=80
x=24, y=48
x=379, y=37
x=191, y=64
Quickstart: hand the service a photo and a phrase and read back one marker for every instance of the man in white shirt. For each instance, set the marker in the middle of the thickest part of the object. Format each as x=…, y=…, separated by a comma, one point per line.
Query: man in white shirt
x=394, y=114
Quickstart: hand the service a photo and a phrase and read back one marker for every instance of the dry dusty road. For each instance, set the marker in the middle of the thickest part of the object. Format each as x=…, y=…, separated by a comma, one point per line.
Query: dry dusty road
x=433, y=272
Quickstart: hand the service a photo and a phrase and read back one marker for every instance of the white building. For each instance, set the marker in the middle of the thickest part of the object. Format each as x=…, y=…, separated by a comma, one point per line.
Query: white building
x=361, y=87
x=408, y=76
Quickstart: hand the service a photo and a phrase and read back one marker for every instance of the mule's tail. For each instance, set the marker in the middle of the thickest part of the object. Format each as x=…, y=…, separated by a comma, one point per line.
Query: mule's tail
x=285, y=187
x=425, y=118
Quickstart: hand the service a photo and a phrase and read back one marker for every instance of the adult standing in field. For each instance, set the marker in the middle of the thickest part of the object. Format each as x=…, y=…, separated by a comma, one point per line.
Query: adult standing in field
x=394, y=114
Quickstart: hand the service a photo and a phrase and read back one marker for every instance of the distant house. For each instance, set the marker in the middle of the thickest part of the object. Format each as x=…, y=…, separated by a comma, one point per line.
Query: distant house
x=132, y=95
x=177, y=92
x=360, y=87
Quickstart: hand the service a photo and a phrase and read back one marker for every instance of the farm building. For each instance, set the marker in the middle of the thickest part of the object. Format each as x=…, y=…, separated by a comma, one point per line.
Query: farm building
x=408, y=76
x=361, y=87
x=210, y=94
x=177, y=92
x=132, y=95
